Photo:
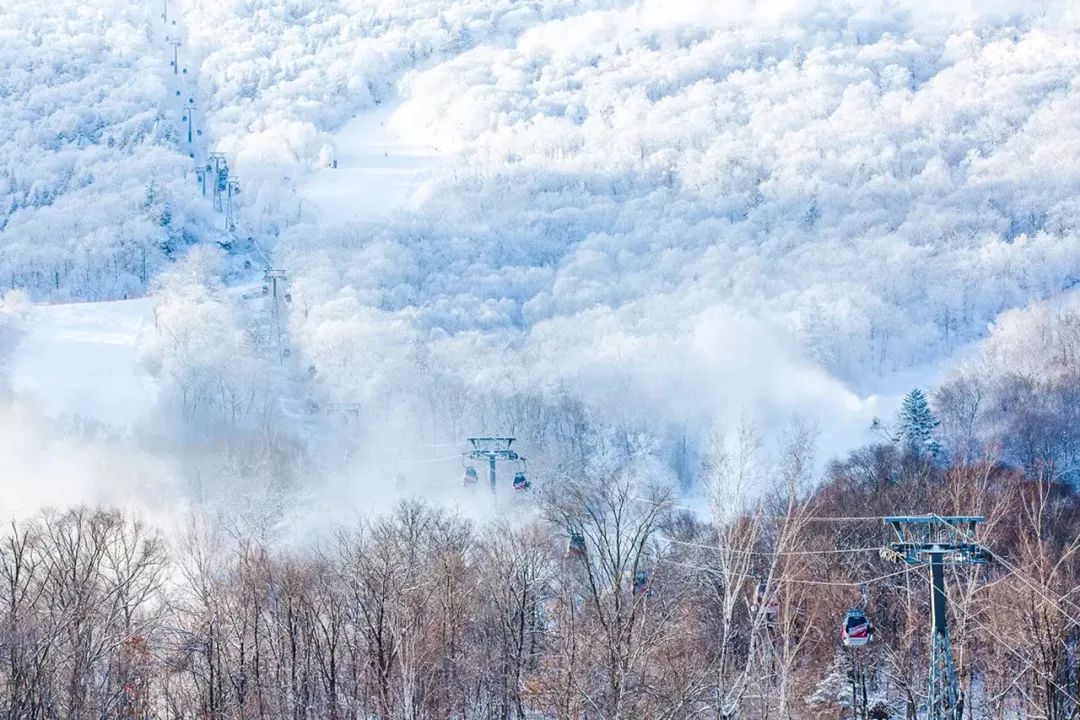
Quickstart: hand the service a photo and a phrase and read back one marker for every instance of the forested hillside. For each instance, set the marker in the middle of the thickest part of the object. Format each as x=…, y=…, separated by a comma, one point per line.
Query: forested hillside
x=95, y=196
x=651, y=212
x=421, y=613
x=646, y=197
x=597, y=593
x=725, y=286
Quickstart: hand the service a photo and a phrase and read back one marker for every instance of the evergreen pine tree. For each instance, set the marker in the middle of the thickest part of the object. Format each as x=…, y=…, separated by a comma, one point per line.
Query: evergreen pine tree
x=916, y=425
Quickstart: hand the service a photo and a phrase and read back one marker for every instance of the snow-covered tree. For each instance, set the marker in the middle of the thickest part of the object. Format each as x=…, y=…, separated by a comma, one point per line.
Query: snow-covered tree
x=96, y=194
x=916, y=425
x=834, y=690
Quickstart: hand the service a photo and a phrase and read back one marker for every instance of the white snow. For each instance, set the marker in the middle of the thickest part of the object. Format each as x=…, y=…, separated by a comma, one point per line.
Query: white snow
x=379, y=166
x=80, y=361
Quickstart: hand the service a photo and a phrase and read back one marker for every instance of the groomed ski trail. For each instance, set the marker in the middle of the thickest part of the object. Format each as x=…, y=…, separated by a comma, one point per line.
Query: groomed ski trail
x=80, y=362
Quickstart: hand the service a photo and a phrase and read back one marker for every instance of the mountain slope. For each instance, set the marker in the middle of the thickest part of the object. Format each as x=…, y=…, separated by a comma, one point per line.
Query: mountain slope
x=680, y=214
x=81, y=361
x=95, y=194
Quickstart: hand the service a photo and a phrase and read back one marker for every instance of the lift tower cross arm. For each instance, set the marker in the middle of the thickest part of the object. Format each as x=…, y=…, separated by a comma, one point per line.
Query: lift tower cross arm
x=190, y=108
x=176, y=56
x=221, y=175
x=492, y=449
x=937, y=541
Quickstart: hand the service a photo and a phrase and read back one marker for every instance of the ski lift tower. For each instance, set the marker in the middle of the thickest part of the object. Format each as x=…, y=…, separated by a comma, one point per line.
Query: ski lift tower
x=274, y=284
x=189, y=109
x=220, y=176
x=175, y=56
x=272, y=277
x=232, y=187
x=938, y=541
x=492, y=449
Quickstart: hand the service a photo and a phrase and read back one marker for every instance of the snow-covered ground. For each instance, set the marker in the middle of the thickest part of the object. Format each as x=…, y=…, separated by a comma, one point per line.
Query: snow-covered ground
x=379, y=165
x=80, y=361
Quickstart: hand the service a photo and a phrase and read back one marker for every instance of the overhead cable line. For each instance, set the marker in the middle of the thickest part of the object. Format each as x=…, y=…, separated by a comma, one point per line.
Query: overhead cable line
x=764, y=516
x=1009, y=646
x=1013, y=570
x=838, y=551
x=860, y=583
x=783, y=580
x=430, y=460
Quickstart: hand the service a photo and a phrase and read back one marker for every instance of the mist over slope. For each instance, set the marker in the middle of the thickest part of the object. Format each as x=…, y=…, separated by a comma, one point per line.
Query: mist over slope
x=673, y=213
x=674, y=250
x=640, y=219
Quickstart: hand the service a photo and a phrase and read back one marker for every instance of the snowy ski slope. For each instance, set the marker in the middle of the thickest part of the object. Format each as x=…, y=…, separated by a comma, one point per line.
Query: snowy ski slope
x=80, y=361
x=378, y=168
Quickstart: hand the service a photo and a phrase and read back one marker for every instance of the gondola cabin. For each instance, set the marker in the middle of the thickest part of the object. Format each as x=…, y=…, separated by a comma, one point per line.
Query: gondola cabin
x=763, y=601
x=641, y=582
x=856, y=630
x=576, y=546
x=470, y=479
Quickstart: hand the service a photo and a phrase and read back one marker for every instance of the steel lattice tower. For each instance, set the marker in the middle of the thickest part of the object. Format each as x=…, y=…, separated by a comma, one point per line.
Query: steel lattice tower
x=937, y=541
x=492, y=449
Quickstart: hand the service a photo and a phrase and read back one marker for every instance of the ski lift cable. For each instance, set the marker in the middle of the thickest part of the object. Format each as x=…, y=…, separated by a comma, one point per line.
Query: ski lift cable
x=827, y=583
x=1013, y=570
x=1009, y=646
x=1028, y=664
x=812, y=518
x=860, y=583
x=838, y=551
x=1055, y=601
x=827, y=518
x=691, y=566
x=429, y=460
